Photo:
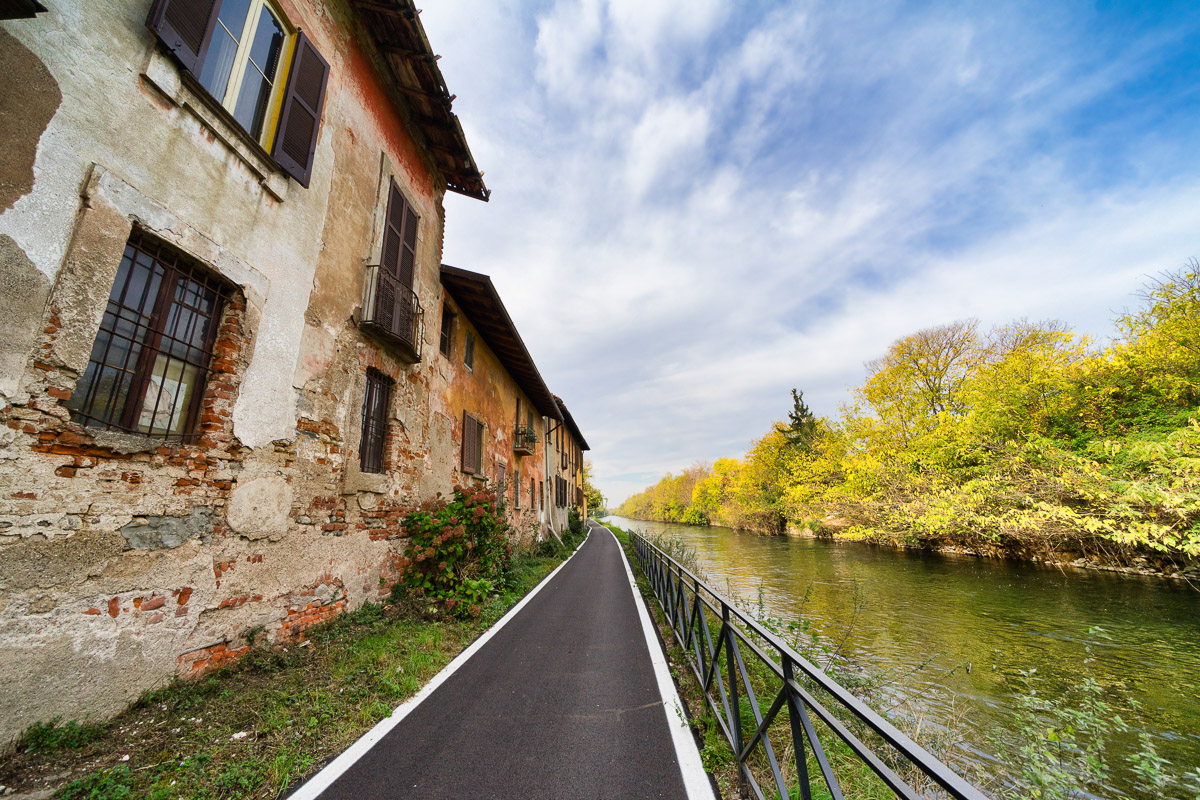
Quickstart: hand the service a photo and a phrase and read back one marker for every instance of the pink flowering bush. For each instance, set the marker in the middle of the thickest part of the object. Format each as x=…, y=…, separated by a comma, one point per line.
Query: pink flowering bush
x=459, y=550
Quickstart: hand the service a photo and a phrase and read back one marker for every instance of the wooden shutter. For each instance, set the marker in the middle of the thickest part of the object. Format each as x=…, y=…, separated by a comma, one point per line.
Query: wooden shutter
x=185, y=27
x=400, y=237
x=408, y=247
x=478, y=445
x=470, y=443
x=300, y=121
x=393, y=233
x=501, y=471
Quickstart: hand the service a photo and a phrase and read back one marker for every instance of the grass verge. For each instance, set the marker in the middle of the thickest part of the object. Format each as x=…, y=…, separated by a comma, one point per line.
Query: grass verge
x=258, y=727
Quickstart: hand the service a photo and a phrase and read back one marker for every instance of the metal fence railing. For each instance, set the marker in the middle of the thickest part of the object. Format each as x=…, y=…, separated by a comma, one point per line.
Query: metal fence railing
x=737, y=661
x=391, y=308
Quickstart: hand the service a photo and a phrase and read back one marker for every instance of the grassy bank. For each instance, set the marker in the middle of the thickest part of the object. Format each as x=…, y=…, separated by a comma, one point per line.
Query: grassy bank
x=255, y=728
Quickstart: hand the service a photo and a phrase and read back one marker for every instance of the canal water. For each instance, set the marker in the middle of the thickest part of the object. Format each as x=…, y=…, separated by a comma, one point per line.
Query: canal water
x=956, y=631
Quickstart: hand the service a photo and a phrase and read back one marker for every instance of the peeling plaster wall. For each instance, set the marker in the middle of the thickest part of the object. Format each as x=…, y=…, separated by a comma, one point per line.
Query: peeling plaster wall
x=171, y=164
x=561, y=440
x=125, y=561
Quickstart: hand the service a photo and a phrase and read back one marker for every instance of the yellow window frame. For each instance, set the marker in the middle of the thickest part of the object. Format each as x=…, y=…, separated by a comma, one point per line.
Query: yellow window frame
x=241, y=60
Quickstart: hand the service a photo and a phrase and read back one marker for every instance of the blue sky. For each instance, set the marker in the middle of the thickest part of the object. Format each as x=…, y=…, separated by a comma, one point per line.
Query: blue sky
x=698, y=204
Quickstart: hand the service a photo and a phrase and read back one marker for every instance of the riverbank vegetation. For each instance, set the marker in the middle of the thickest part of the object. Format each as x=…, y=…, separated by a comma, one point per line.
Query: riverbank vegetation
x=1027, y=439
x=257, y=727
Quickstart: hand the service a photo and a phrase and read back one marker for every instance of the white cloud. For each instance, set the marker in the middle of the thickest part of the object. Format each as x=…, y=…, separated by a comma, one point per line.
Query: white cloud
x=670, y=136
x=696, y=208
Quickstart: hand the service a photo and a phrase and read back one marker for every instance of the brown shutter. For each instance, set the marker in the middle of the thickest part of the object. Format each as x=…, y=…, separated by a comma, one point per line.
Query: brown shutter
x=185, y=27
x=470, y=443
x=408, y=250
x=300, y=122
x=393, y=232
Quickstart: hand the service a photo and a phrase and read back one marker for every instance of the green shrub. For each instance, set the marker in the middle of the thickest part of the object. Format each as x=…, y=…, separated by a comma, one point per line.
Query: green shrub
x=50, y=735
x=107, y=784
x=576, y=524
x=459, y=550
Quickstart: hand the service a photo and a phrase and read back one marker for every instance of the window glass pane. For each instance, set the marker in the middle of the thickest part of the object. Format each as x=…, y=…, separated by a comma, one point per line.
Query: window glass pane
x=267, y=44
x=447, y=328
x=251, y=110
x=168, y=395
x=218, y=63
x=259, y=76
x=178, y=321
x=233, y=15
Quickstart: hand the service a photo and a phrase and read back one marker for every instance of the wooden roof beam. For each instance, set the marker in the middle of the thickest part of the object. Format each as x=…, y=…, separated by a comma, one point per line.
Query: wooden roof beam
x=384, y=8
x=447, y=99
x=409, y=53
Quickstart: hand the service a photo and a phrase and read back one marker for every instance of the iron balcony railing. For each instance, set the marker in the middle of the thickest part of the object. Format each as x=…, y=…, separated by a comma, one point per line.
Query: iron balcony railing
x=392, y=310
x=715, y=634
x=524, y=440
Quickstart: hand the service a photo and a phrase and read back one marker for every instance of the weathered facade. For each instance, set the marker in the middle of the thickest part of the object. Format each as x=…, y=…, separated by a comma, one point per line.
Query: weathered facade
x=220, y=378
x=489, y=380
x=564, y=463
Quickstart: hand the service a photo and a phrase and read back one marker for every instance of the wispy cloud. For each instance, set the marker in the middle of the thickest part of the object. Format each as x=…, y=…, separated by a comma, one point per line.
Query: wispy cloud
x=699, y=205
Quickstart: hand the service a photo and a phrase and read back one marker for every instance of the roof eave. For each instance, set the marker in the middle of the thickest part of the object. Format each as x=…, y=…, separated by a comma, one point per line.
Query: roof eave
x=395, y=29
x=454, y=279
x=570, y=423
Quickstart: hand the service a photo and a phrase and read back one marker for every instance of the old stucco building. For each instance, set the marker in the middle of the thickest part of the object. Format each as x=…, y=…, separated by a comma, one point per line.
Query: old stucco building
x=224, y=368
x=564, y=462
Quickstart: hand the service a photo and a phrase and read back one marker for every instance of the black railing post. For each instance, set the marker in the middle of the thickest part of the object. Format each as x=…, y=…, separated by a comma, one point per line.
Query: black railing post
x=735, y=710
x=797, y=728
x=802, y=706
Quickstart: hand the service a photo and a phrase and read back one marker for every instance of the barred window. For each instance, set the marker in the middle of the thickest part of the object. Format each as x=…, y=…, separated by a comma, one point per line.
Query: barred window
x=374, y=421
x=150, y=360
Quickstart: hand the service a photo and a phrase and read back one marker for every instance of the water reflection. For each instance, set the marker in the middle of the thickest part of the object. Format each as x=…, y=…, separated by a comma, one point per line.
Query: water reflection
x=997, y=617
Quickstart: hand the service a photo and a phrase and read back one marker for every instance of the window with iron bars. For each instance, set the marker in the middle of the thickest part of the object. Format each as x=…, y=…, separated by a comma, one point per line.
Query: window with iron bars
x=374, y=421
x=151, y=357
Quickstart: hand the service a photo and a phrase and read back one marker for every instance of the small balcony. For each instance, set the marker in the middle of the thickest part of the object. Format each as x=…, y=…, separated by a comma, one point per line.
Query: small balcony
x=524, y=440
x=392, y=312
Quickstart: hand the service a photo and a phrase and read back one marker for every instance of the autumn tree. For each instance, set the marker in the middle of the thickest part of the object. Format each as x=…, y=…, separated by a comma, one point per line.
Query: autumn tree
x=1027, y=372
x=1163, y=336
x=921, y=377
x=594, y=498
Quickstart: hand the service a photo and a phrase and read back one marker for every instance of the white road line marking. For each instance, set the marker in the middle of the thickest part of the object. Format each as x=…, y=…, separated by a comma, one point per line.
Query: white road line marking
x=334, y=769
x=695, y=779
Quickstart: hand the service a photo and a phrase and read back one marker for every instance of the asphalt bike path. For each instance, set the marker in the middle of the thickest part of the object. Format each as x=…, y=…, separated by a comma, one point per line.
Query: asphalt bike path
x=560, y=703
